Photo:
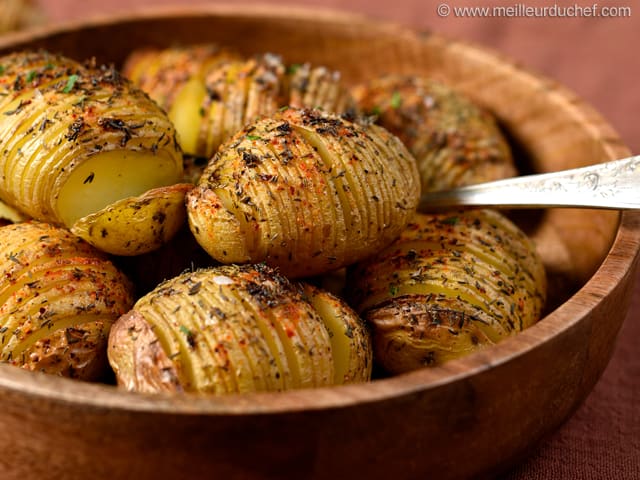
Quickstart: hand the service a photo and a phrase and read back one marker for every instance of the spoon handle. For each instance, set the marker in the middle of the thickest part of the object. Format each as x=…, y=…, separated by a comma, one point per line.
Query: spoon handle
x=610, y=185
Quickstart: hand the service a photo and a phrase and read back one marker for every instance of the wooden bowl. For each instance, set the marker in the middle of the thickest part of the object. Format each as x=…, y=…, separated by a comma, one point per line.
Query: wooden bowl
x=473, y=416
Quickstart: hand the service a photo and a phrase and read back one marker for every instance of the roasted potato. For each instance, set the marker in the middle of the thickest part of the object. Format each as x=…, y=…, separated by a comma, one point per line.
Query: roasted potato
x=236, y=329
x=59, y=299
x=78, y=138
x=319, y=88
x=210, y=93
x=454, y=141
x=305, y=191
x=451, y=284
x=176, y=78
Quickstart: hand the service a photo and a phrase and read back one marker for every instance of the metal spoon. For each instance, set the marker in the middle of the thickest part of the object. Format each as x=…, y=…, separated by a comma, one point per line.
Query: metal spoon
x=610, y=185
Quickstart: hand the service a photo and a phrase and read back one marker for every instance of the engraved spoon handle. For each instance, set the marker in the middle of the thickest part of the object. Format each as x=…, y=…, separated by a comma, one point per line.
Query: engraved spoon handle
x=610, y=185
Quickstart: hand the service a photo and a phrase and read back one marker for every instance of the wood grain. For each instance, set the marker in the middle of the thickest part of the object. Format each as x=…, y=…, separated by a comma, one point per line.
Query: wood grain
x=473, y=416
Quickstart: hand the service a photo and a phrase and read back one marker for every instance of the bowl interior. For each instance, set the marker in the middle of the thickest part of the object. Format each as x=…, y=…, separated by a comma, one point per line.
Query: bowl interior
x=549, y=127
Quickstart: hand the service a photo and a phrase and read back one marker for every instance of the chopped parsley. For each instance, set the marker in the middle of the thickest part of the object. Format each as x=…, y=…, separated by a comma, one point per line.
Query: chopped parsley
x=71, y=81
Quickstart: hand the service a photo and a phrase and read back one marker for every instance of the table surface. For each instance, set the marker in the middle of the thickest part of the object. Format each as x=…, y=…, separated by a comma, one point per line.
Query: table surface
x=595, y=57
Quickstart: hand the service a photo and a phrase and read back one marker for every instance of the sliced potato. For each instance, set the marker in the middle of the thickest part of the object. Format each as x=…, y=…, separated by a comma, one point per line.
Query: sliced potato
x=239, y=92
x=451, y=284
x=77, y=138
x=58, y=299
x=210, y=93
x=318, y=87
x=162, y=73
x=350, y=339
x=305, y=191
x=136, y=225
x=455, y=142
x=222, y=330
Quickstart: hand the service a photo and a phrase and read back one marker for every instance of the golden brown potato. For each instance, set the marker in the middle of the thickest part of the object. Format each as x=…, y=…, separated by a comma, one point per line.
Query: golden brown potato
x=236, y=329
x=451, y=284
x=75, y=139
x=305, y=191
x=238, y=92
x=319, y=88
x=165, y=73
x=59, y=299
x=455, y=142
x=176, y=78
x=210, y=93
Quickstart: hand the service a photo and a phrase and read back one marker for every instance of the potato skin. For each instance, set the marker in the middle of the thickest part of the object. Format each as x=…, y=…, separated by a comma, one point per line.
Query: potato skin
x=58, y=114
x=304, y=191
x=60, y=297
x=454, y=141
x=451, y=284
x=138, y=359
x=229, y=329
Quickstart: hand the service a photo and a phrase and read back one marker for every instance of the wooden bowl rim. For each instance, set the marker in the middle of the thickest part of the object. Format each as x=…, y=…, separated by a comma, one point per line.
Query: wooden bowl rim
x=618, y=263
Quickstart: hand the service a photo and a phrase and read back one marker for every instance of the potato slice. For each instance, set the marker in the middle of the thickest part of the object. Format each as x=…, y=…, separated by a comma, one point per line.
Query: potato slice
x=136, y=225
x=58, y=299
x=77, y=138
x=305, y=191
x=350, y=339
x=451, y=284
x=454, y=141
x=222, y=330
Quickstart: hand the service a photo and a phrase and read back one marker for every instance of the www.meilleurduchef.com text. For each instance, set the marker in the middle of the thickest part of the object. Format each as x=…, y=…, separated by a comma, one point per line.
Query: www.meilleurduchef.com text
x=530, y=11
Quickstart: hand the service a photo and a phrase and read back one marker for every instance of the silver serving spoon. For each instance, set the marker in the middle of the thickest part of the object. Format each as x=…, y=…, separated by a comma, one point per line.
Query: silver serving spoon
x=610, y=185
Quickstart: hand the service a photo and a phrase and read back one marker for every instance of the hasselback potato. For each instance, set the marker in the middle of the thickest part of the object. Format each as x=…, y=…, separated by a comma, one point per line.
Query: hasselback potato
x=210, y=92
x=305, y=191
x=77, y=138
x=451, y=284
x=59, y=297
x=454, y=141
x=236, y=329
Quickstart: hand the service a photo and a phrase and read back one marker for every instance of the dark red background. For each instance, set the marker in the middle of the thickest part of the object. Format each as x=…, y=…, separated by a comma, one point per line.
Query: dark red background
x=598, y=59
